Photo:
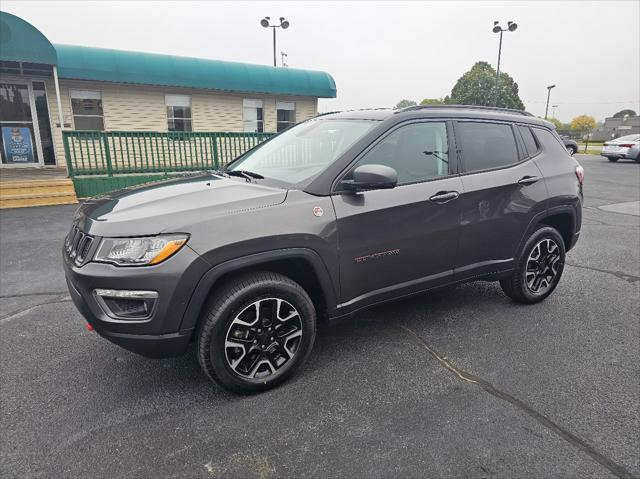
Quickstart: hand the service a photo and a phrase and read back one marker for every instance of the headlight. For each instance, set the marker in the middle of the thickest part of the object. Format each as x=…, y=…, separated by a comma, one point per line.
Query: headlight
x=139, y=251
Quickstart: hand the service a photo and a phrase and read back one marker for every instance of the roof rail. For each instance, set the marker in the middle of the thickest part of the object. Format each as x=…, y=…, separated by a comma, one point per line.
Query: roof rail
x=466, y=107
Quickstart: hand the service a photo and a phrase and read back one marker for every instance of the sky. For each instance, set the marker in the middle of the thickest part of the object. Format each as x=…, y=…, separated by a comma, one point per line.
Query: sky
x=382, y=52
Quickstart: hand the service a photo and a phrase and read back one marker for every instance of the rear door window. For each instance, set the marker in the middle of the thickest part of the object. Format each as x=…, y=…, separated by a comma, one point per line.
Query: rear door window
x=529, y=141
x=486, y=145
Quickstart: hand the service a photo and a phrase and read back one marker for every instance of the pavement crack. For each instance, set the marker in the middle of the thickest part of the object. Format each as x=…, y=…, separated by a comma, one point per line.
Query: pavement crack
x=13, y=314
x=618, y=274
x=613, y=467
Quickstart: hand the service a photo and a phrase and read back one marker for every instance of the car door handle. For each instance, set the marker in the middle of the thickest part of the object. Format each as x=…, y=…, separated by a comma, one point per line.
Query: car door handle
x=444, y=196
x=528, y=180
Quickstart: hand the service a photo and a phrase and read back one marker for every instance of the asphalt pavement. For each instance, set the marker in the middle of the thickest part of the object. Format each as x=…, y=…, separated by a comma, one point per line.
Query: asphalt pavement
x=461, y=383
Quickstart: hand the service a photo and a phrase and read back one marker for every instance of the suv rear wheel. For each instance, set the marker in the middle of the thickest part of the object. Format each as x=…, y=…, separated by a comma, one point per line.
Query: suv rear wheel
x=538, y=269
x=256, y=331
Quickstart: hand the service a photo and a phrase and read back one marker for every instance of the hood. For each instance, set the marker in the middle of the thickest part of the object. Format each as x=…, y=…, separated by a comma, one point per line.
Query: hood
x=172, y=206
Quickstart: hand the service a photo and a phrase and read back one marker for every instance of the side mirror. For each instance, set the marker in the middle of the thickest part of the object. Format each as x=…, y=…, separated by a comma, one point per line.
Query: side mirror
x=371, y=177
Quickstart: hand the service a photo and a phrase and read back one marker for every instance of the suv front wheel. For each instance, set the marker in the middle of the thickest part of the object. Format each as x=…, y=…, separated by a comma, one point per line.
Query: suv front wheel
x=256, y=332
x=538, y=269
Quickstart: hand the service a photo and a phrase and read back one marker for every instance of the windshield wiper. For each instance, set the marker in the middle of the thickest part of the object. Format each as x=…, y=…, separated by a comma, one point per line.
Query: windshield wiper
x=249, y=175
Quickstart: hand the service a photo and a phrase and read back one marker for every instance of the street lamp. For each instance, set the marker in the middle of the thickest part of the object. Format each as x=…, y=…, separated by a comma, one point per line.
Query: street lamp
x=546, y=110
x=284, y=24
x=511, y=27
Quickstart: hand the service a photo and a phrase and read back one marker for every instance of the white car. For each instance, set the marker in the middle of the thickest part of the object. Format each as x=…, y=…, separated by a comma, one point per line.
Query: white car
x=623, y=147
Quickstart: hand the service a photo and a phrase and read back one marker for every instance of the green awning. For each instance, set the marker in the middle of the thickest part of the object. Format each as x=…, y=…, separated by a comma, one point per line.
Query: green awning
x=85, y=63
x=22, y=42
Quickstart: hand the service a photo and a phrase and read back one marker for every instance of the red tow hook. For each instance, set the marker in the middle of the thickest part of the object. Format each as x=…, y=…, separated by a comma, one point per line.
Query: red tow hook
x=89, y=327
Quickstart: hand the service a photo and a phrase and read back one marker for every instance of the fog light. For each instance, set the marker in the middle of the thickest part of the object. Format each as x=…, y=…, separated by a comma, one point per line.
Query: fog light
x=126, y=305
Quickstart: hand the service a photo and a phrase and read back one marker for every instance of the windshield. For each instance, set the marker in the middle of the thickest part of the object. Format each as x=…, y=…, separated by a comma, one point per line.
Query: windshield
x=303, y=151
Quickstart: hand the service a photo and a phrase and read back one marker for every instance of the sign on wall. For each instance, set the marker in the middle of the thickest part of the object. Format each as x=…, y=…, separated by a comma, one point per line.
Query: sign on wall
x=18, y=144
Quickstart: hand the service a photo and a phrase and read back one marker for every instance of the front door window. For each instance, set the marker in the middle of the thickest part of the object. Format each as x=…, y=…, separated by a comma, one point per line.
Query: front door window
x=16, y=123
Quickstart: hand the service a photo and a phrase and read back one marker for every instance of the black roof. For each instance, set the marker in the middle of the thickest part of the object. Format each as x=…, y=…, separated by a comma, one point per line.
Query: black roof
x=439, y=111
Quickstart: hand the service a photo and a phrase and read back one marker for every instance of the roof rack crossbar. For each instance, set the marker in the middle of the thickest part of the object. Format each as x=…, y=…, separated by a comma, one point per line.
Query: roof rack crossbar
x=466, y=107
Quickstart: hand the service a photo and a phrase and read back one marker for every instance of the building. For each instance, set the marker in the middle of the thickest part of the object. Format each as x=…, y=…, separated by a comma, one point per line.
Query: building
x=616, y=127
x=46, y=88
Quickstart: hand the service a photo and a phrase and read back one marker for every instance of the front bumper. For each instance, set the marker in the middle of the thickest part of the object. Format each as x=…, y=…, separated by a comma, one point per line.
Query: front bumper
x=158, y=336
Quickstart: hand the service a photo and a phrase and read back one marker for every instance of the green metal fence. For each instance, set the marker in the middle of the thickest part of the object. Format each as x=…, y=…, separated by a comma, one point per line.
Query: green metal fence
x=103, y=161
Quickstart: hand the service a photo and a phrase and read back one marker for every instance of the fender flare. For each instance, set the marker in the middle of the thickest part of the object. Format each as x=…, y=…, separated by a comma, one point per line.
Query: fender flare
x=203, y=288
x=537, y=219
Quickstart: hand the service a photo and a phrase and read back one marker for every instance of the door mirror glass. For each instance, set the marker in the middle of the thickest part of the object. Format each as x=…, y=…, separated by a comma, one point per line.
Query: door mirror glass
x=371, y=177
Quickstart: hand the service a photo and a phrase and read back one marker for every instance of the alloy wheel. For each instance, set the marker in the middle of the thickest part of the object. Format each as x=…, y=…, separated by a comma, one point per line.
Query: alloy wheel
x=263, y=338
x=542, y=266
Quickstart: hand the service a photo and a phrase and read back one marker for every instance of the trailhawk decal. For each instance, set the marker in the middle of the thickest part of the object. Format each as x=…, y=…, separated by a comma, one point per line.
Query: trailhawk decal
x=380, y=255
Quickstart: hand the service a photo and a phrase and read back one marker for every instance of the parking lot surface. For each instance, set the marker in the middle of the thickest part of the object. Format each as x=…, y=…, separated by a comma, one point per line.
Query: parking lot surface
x=456, y=383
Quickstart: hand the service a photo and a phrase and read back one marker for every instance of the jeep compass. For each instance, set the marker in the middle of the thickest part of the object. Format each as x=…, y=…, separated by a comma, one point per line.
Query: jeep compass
x=336, y=214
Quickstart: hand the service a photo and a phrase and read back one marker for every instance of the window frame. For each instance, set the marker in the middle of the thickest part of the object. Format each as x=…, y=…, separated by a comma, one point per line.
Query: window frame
x=166, y=111
x=244, y=121
x=73, y=115
x=289, y=123
x=517, y=141
x=452, y=153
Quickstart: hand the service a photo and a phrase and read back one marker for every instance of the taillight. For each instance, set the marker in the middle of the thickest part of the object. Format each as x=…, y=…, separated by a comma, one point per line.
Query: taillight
x=580, y=174
x=626, y=145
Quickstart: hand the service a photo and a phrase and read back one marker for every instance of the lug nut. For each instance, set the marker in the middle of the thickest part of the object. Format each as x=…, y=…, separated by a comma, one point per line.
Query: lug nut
x=271, y=339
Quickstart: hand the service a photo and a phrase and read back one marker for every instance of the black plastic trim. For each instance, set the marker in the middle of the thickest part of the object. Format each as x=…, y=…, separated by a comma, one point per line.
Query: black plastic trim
x=203, y=289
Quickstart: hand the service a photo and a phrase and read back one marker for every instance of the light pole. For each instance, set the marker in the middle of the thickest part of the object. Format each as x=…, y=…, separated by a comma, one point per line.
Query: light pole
x=553, y=112
x=282, y=56
x=511, y=27
x=284, y=24
x=546, y=110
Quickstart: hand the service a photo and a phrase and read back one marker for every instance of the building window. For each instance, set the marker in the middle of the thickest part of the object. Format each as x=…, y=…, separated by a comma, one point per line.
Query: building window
x=286, y=111
x=87, y=110
x=178, y=112
x=252, y=115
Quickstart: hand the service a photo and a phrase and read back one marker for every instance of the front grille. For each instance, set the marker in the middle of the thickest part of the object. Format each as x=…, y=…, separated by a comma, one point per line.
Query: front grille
x=77, y=245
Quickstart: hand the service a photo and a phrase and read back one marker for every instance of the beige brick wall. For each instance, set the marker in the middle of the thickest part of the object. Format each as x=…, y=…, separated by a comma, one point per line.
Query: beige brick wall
x=142, y=108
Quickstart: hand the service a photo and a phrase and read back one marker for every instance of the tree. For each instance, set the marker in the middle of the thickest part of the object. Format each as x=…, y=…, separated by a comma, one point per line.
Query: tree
x=404, y=104
x=432, y=101
x=583, y=123
x=623, y=113
x=478, y=87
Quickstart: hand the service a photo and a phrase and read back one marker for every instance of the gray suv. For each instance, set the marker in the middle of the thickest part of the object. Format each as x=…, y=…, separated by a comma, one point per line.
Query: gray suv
x=334, y=215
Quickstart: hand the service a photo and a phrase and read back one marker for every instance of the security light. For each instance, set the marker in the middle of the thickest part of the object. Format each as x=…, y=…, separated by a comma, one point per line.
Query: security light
x=497, y=29
x=512, y=26
x=285, y=24
x=265, y=22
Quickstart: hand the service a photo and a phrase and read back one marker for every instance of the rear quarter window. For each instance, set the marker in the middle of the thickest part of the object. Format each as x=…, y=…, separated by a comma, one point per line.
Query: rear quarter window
x=486, y=145
x=529, y=140
x=550, y=144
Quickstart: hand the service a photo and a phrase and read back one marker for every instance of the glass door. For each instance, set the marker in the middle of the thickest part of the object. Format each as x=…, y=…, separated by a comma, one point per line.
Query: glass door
x=19, y=136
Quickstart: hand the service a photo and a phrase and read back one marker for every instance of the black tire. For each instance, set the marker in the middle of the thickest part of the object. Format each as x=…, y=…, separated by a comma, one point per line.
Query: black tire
x=517, y=287
x=572, y=150
x=222, y=315
x=612, y=159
